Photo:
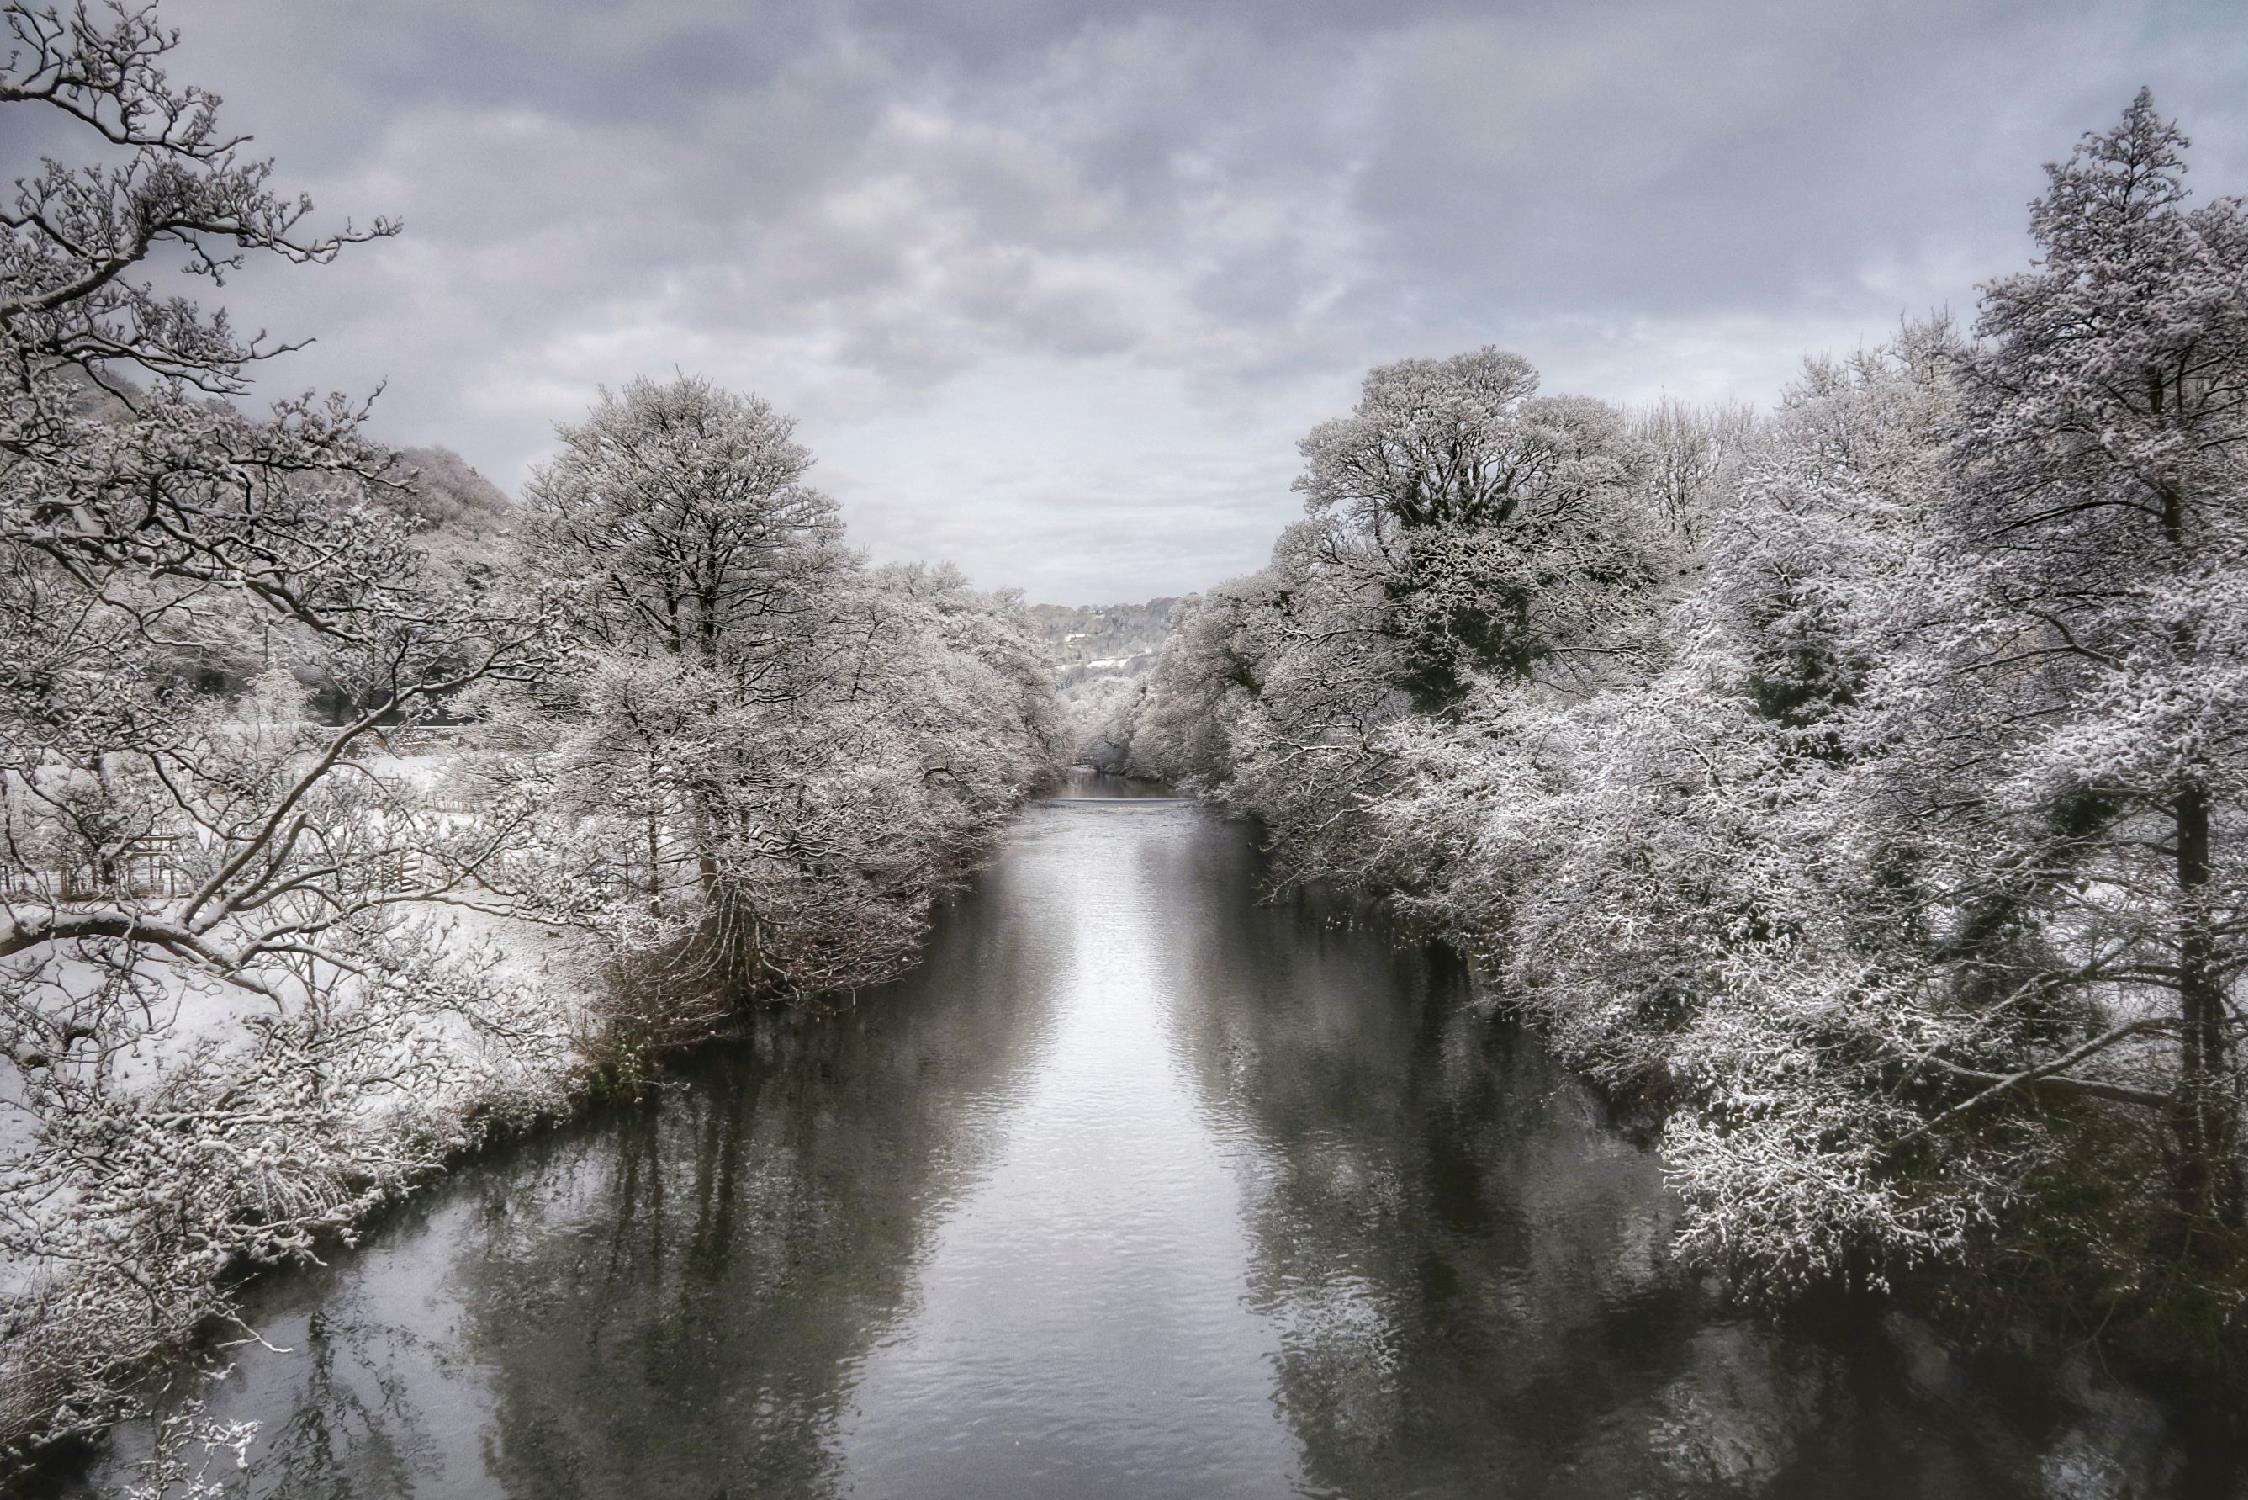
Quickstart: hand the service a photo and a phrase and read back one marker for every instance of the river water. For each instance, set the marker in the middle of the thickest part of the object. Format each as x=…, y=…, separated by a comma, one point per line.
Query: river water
x=1138, y=1187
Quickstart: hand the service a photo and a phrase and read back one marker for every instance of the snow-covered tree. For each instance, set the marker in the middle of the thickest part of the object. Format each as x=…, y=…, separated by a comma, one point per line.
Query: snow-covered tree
x=216, y=932
x=1668, y=875
x=768, y=755
x=1903, y=862
x=1492, y=522
x=2089, y=690
x=1464, y=537
x=1689, y=456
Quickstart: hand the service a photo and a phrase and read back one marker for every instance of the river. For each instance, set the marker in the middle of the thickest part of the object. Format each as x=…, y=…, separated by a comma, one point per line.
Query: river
x=1137, y=1187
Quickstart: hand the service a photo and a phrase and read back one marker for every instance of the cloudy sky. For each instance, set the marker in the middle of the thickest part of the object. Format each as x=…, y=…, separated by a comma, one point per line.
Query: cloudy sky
x=1054, y=286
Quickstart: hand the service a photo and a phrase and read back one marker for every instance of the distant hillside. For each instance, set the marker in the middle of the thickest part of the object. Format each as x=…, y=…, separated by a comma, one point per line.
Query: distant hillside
x=443, y=493
x=1100, y=654
x=1105, y=640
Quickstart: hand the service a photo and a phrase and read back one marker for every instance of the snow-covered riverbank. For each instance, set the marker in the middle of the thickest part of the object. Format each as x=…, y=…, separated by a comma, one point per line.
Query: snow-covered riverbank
x=147, y=1164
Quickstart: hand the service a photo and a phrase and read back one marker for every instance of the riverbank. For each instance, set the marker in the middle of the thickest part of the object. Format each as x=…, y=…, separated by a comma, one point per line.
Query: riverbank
x=126, y=1285
x=186, y=1199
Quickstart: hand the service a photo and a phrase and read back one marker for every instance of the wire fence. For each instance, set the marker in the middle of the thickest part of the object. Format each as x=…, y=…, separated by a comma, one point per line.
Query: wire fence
x=140, y=868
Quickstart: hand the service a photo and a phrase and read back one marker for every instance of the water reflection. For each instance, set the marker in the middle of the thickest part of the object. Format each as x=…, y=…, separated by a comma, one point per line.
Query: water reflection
x=1138, y=1188
x=1465, y=1262
x=1082, y=1325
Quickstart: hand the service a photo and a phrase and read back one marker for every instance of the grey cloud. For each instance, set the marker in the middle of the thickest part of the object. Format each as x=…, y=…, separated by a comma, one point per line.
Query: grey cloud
x=975, y=221
x=1666, y=157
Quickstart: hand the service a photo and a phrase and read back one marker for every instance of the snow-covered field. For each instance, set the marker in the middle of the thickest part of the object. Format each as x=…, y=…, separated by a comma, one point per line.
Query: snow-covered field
x=163, y=1123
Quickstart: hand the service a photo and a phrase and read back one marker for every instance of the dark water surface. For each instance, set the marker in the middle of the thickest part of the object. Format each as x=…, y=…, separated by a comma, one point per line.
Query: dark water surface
x=1136, y=1188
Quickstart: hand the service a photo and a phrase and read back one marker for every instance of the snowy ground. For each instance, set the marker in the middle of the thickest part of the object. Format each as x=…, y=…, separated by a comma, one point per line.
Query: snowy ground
x=391, y=1074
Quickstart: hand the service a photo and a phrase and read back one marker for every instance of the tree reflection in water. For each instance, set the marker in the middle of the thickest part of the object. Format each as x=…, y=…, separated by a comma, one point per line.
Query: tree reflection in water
x=1467, y=1258
x=671, y=1299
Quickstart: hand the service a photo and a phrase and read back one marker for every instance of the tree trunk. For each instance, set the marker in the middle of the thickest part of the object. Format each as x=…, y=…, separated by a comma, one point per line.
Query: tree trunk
x=2205, y=1117
x=707, y=816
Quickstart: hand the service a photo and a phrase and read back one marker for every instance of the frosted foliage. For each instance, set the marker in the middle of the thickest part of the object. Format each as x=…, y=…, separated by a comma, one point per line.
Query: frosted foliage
x=234, y=1009
x=1462, y=530
x=1864, y=783
x=765, y=757
x=194, y=1456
